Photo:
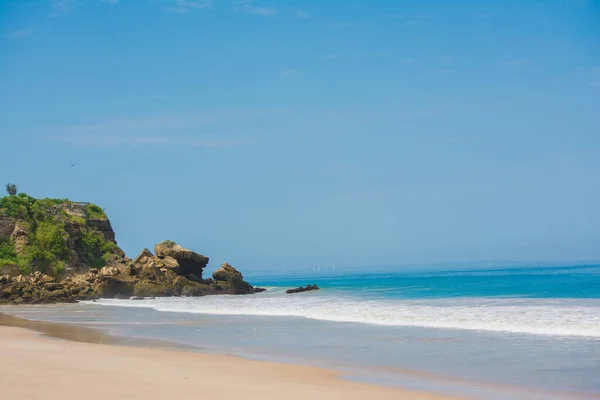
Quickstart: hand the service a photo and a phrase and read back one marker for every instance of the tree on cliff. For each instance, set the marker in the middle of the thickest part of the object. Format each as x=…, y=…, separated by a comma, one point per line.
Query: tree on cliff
x=11, y=189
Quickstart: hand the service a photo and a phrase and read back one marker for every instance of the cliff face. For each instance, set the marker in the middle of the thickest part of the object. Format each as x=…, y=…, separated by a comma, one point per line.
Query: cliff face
x=61, y=251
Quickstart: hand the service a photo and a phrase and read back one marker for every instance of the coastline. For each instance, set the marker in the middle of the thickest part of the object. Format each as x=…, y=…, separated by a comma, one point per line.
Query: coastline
x=36, y=365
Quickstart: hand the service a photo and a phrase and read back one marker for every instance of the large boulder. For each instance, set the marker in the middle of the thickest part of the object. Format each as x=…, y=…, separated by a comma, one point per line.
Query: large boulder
x=228, y=274
x=192, y=288
x=120, y=285
x=154, y=289
x=147, y=260
x=144, y=260
x=232, y=279
x=190, y=263
x=173, y=270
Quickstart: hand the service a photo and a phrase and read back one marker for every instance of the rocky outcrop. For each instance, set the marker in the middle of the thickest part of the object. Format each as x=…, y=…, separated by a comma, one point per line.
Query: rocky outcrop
x=113, y=286
x=301, y=289
x=144, y=259
x=177, y=271
x=104, y=227
x=232, y=278
x=148, y=275
x=228, y=274
x=190, y=264
x=79, y=258
x=34, y=289
x=75, y=209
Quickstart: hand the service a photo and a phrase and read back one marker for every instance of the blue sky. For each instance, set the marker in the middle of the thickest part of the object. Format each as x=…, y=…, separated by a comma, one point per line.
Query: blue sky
x=286, y=134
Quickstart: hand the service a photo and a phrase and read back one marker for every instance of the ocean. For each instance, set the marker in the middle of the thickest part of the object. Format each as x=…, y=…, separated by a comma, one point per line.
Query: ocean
x=504, y=333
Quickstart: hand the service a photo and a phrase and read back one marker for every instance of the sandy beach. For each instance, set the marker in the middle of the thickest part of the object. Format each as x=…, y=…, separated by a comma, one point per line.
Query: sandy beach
x=36, y=364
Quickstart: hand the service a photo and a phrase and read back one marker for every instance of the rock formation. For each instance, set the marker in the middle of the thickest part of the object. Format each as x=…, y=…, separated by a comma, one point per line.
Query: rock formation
x=230, y=277
x=190, y=264
x=147, y=276
x=302, y=289
x=61, y=251
x=34, y=289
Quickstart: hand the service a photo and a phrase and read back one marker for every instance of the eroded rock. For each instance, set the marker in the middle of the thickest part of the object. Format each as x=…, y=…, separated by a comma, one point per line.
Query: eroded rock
x=301, y=289
x=20, y=238
x=119, y=286
x=232, y=278
x=109, y=271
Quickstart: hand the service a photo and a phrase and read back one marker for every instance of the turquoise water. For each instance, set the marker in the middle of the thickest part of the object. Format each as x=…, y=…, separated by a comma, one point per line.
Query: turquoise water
x=532, y=282
x=513, y=333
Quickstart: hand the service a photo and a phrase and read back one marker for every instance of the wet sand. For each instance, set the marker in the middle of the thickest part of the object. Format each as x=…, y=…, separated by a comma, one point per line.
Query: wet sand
x=36, y=365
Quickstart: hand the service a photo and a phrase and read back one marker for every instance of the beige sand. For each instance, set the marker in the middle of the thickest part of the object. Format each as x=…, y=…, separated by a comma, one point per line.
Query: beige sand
x=34, y=366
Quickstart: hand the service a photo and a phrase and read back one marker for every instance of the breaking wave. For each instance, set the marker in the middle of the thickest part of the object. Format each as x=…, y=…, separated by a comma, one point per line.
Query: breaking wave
x=564, y=317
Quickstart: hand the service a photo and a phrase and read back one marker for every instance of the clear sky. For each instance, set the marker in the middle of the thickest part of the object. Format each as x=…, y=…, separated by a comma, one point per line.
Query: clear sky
x=275, y=134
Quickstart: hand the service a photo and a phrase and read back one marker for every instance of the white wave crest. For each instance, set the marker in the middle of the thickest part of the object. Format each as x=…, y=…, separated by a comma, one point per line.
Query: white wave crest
x=568, y=317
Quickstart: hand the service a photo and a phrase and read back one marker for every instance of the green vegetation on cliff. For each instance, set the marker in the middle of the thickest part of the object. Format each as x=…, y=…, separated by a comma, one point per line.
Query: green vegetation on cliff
x=94, y=212
x=8, y=255
x=95, y=248
x=47, y=235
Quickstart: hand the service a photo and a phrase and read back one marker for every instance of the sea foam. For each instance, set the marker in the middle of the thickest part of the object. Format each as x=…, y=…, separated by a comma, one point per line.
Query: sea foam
x=564, y=317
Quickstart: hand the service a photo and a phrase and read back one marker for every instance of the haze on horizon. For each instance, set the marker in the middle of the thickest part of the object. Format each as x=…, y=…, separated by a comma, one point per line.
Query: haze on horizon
x=290, y=134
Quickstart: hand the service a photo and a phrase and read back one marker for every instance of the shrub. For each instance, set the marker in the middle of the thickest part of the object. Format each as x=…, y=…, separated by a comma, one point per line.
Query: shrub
x=52, y=237
x=7, y=252
x=78, y=220
x=95, y=262
x=96, y=248
x=43, y=209
x=33, y=255
x=17, y=206
x=94, y=212
x=25, y=262
x=58, y=267
x=43, y=261
x=47, y=250
x=95, y=243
